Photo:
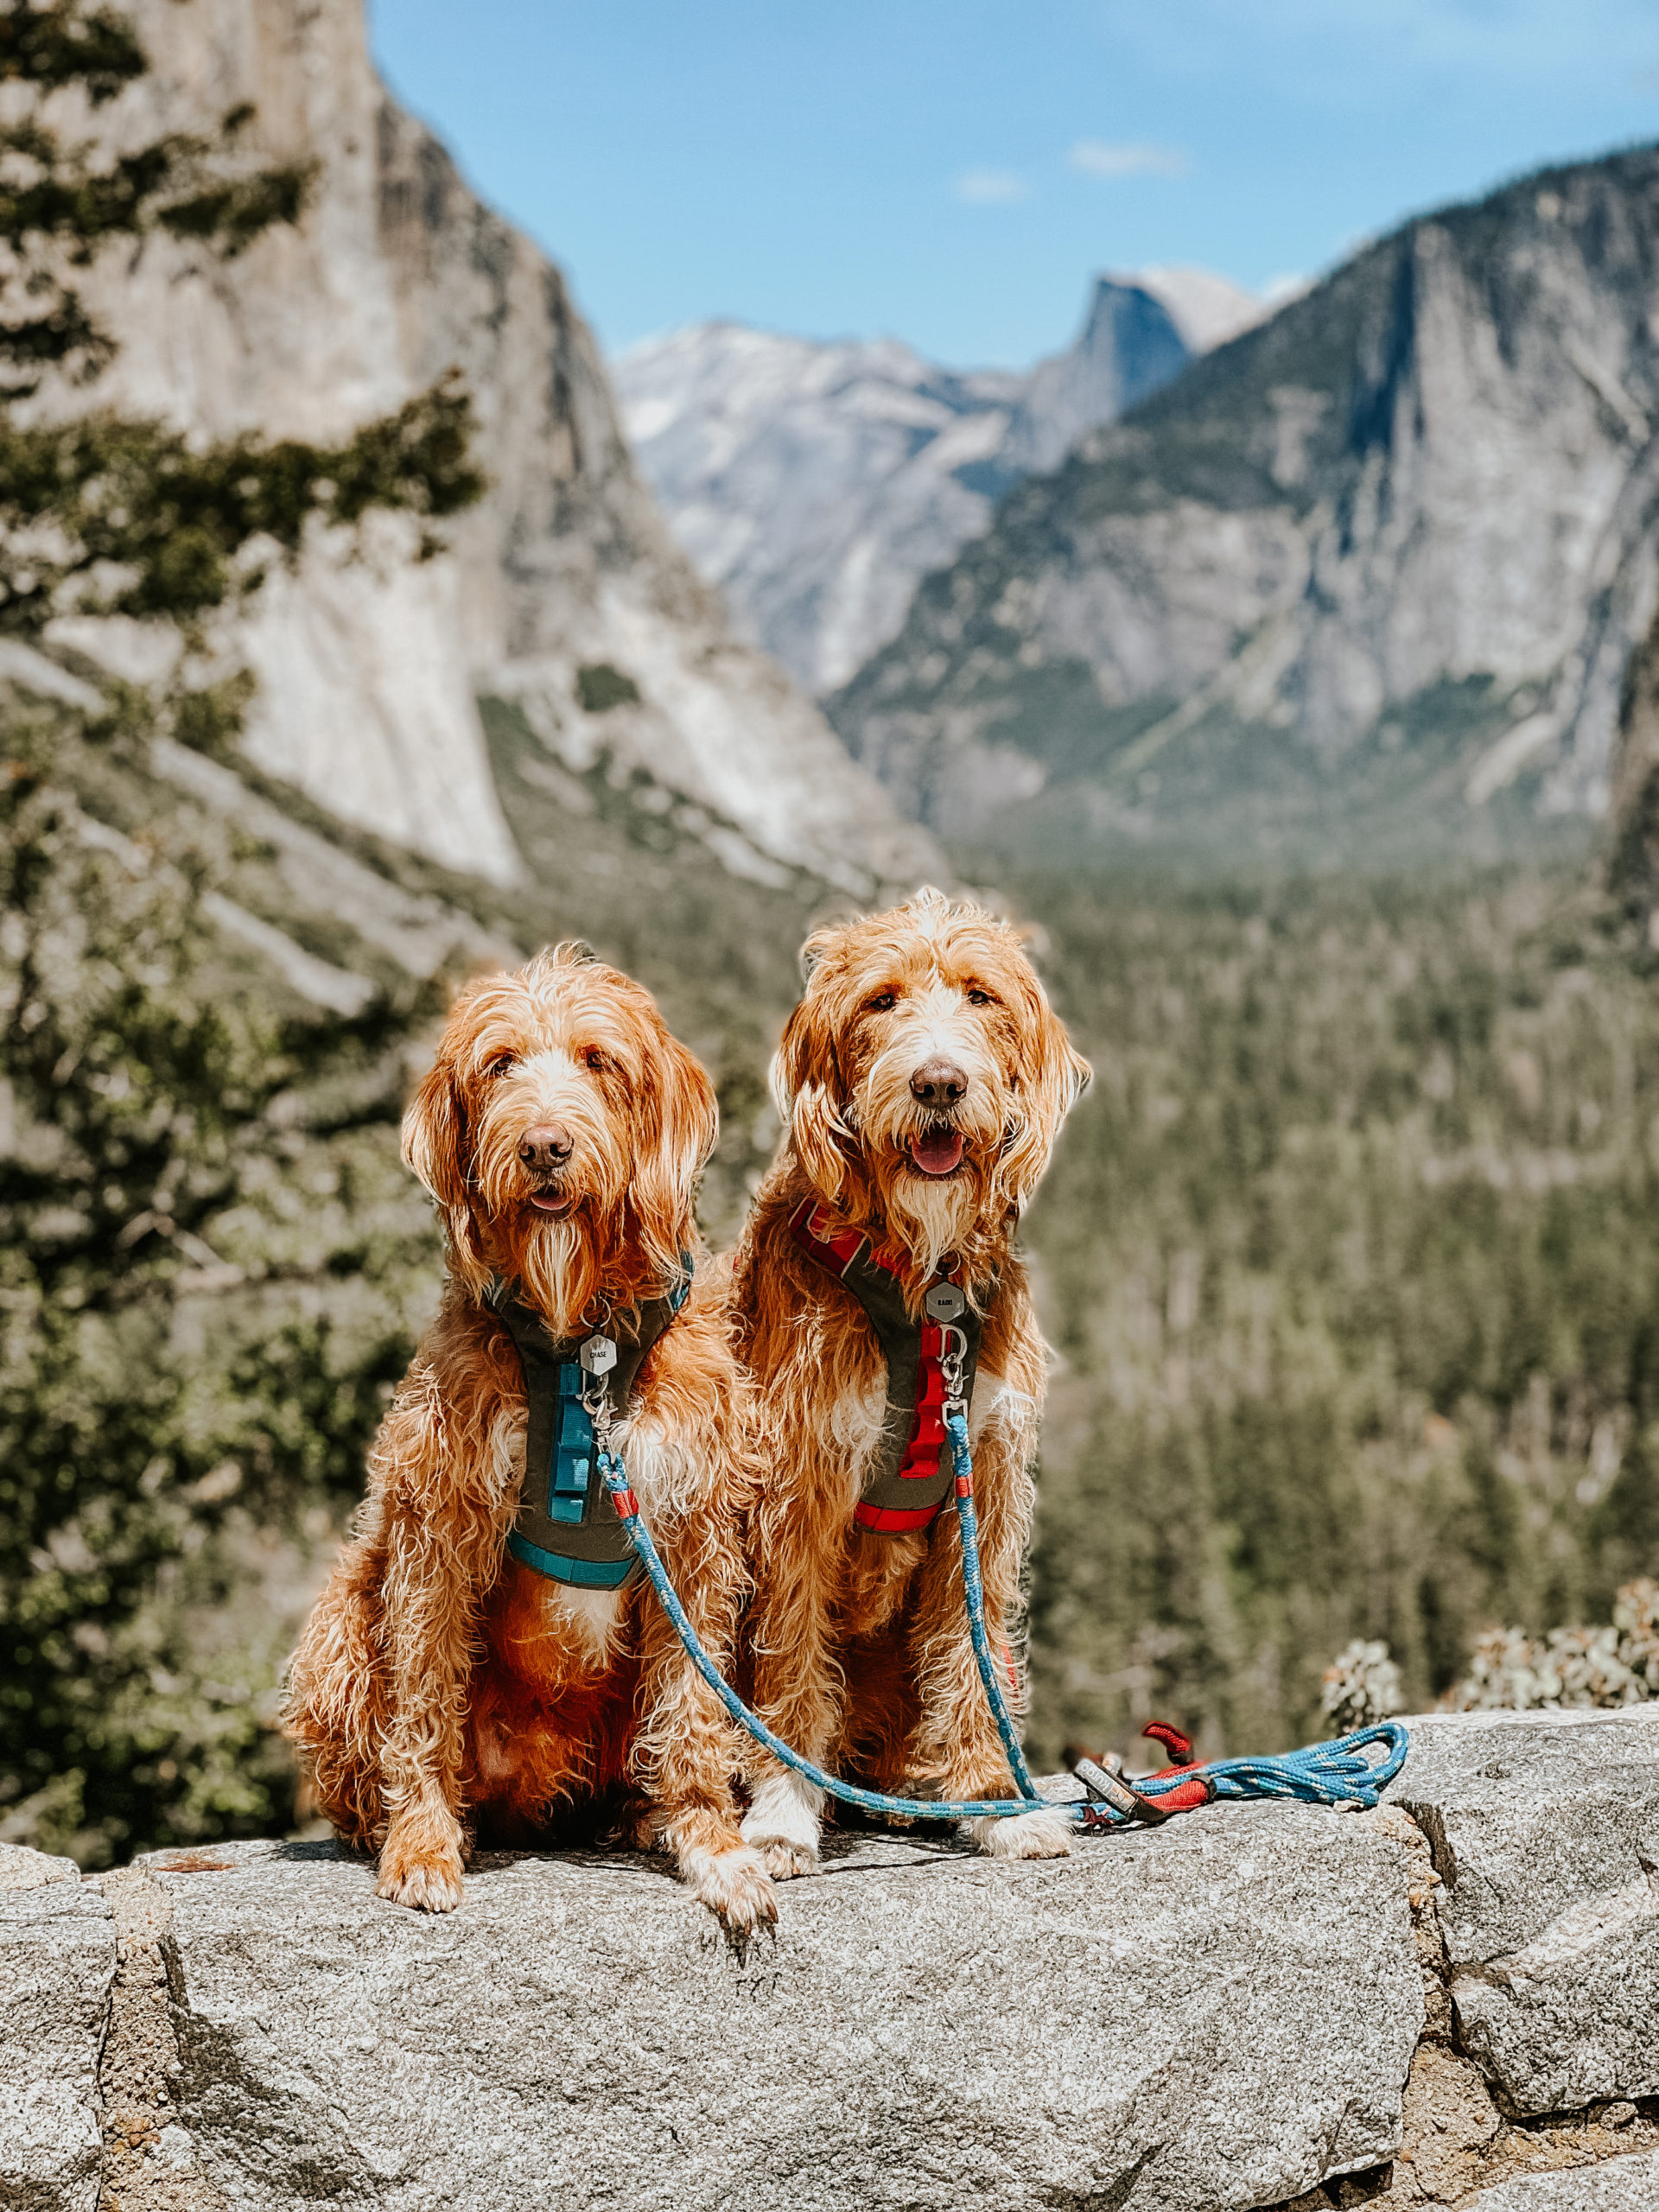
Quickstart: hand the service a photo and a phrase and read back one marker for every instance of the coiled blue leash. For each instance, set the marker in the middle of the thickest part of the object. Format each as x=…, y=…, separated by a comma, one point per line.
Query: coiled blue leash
x=1325, y=1774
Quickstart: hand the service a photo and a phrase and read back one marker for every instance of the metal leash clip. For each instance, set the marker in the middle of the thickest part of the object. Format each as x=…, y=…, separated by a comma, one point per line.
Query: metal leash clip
x=597, y=1358
x=1130, y=1808
x=953, y=1358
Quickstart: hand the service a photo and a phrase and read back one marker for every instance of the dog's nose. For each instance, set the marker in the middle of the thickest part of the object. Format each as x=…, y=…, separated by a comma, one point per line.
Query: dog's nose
x=939, y=1083
x=546, y=1146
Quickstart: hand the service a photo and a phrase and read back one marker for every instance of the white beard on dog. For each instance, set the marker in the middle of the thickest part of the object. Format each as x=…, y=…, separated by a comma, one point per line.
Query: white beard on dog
x=547, y=1274
x=935, y=1217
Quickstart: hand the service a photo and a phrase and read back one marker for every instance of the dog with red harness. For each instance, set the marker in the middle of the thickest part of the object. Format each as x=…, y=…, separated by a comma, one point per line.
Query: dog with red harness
x=923, y=1079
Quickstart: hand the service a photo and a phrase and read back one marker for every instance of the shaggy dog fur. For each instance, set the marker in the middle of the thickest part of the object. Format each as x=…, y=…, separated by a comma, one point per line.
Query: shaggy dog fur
x=443, y=1691
x=923, y=1079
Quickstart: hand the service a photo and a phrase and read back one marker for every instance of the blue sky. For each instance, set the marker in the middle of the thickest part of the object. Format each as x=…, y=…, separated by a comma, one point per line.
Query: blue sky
x=954, y=175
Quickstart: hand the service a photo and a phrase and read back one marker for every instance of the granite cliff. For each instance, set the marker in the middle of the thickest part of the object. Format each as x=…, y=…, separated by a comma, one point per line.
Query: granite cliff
x=1448, y=2002
x=561, y=593
x=1368, y=577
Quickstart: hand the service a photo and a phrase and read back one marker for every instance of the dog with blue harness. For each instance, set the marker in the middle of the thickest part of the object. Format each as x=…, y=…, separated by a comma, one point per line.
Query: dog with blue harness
x=487, y=1659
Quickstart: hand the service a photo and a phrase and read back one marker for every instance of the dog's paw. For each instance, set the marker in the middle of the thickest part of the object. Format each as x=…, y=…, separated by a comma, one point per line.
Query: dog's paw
x=426, y=1882
x=734, y=1884
x=1023, y=1835
x=783, y=1825
x=786, y=1860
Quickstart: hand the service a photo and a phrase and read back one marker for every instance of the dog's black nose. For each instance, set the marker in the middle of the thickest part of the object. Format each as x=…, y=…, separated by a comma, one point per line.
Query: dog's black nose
x=939, y=1083
x=545, y=1146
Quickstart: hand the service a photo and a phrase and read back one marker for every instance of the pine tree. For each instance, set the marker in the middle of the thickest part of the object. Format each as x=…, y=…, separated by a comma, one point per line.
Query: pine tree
x=137, y=1112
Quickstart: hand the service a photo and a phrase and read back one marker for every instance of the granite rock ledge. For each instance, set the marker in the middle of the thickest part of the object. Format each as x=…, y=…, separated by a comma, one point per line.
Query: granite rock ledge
x=1443, y=2002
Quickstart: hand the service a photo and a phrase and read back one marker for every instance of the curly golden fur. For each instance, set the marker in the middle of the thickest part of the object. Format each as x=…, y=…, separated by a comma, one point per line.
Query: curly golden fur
x=443, y=1691
x=923, y=1079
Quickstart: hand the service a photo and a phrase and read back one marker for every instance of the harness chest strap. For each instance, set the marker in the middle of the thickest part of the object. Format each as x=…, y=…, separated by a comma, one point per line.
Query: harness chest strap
x=910, y=1476
x=567, y=1526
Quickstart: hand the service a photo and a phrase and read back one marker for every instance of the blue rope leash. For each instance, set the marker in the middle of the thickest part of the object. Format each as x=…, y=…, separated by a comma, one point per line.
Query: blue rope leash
x=870, y=1801
x=1324, y=1774
x=955, y=1428
x=1328, y=1774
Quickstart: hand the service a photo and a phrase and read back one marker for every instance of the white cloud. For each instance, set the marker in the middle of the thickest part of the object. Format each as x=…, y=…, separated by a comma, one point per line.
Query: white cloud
x=1096, y=157
x=992, y=187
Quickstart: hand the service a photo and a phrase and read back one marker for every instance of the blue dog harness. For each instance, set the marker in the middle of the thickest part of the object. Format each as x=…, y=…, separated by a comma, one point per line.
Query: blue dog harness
x=567, y=1526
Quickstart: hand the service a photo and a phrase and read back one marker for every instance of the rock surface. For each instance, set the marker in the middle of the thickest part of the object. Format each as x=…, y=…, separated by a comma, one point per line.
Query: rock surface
x=1263, y=2004
x=1545, y=1831
x=1622, y=2185
x=815, y=484
x=1379, y=562
x=371, y=662
x=1158, y=2014
x=57, y=1962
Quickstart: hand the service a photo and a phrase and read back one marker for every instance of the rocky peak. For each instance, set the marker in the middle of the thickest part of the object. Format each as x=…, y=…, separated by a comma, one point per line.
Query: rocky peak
x=1373, y=569
x=1129, y=347
x=816, y=483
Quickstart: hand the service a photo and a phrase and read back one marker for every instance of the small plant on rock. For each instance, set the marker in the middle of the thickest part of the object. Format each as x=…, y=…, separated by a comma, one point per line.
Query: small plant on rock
x=1362, y=1685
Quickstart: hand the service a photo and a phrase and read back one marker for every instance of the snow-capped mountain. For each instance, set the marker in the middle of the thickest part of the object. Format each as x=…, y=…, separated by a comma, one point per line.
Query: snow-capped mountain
x=816, y=483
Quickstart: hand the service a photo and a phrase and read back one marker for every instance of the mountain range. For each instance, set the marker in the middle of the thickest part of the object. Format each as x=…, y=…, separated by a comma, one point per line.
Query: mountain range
x=816, y=483
x=1365, y=580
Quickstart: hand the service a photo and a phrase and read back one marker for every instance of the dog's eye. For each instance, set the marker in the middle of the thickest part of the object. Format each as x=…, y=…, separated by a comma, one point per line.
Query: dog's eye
x=976, y=997
x=883, y=1002
x=499, y=1065
x=594, y=1061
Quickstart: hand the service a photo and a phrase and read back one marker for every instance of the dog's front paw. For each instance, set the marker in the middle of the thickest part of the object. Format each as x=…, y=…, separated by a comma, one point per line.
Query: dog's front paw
x=1023, y=1835
x=421, y=1874
x=782, y=1825
x=732, y=1884
x=785, y=1860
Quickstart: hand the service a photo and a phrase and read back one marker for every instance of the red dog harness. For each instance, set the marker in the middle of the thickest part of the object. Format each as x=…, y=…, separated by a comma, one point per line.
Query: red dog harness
x=907, y=1483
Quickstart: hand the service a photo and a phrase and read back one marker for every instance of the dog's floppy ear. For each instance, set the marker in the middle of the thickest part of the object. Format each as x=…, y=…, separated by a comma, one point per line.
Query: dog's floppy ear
x=1051, y=1077
x=665, y=1182
x=436, y=1145
x=807, y=1088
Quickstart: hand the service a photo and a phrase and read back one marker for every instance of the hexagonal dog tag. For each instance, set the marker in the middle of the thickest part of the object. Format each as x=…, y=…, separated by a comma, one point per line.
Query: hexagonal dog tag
x=944, y=1302
x=597, y=1355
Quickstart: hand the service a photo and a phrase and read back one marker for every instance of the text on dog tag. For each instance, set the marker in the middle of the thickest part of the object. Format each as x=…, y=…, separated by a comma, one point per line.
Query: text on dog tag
x=944, y=1302
x=597, y=1355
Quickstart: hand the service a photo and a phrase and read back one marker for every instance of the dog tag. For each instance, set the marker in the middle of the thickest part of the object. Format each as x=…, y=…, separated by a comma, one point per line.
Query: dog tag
x=597, y=1355
x=944, y=1302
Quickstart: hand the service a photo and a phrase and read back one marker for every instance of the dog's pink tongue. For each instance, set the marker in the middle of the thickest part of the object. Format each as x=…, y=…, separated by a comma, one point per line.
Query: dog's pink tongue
x=937, y=1153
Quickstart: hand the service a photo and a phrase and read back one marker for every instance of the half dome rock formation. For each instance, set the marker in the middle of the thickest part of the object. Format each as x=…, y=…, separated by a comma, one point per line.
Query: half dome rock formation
x=815, y=484
x=560, y=591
